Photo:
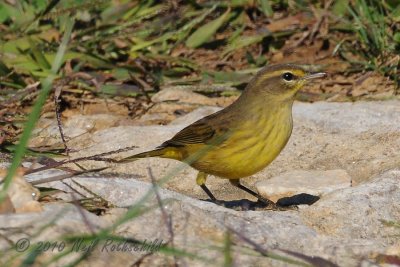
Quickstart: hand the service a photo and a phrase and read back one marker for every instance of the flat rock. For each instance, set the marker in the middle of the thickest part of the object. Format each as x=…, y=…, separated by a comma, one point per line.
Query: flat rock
x=348, y=226
x=93, y=122
x=317, y=183
x=22, y=196
x=51, y=225
x=195, y=115
x=357, y=117
x=359, y=211
x=361, y=138
x=48, y=134
x=181, y=95
x=344, y=227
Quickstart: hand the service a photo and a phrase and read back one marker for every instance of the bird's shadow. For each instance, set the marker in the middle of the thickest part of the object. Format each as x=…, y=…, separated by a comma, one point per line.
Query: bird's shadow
x=245, y=204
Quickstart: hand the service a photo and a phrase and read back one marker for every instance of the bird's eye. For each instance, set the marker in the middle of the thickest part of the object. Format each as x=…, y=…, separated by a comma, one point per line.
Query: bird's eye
x=287, y=76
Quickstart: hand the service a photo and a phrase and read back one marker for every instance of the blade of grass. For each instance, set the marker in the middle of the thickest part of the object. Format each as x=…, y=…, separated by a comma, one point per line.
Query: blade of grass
x=6, y=72
x=266, y=8
x=205, y=32
x=228, y=259
x=339, y=8
x=35, y=113
x=178, y=34
x=38, y=55
x=243, y=42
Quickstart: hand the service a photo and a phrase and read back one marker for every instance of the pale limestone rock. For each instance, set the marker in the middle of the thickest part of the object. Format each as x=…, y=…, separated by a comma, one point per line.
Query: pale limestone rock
x=195, y=115
x=22, y=196
x=180, y=95
x=360, y=138
x=48, y=133
x=317, y=183
x=6, y=206
x=92, y=123
x=343, y=227
x=359, y=211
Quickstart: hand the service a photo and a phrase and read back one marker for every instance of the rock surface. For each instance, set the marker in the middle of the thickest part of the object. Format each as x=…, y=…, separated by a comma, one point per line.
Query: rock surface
x=343, y=227
x=360, y=138
x=22, y=196
x=351, y=224
x=180, y=95
x=317, y=183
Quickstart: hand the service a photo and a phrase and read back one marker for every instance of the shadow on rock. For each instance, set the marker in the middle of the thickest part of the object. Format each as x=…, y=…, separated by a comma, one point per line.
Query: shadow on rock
x=239, y=205
x=245, y=204
x=299, y=199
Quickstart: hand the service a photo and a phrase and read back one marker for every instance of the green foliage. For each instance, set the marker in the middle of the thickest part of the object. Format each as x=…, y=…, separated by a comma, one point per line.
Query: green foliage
x=377, y=42
x=35, y=113
x=205, y=32
x=266, y=7
x=340, y=7
x=107, y=35
x=228, y=259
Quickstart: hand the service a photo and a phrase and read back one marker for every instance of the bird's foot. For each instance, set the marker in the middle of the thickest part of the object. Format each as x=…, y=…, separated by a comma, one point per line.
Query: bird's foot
x=245, y=205
x=238, y=205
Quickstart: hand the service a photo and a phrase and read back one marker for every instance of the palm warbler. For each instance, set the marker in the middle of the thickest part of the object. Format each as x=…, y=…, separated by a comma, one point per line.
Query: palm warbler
x=246, y=136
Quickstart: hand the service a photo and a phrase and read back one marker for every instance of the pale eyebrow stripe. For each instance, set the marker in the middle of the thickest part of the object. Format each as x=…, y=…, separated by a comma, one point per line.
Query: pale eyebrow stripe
x=267, y=75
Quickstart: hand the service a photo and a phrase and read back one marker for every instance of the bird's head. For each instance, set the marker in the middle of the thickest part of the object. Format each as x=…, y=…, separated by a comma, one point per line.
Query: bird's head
x=282, y=81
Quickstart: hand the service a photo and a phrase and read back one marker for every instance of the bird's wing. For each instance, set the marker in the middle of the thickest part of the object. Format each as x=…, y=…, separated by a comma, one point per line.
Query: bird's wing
x=199, y=132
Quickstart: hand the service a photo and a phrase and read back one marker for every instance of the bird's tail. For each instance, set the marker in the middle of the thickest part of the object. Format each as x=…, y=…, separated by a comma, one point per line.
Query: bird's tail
x=158, y=152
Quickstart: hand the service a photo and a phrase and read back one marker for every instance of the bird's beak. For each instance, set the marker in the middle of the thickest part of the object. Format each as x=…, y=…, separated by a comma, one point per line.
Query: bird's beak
x=315, y=76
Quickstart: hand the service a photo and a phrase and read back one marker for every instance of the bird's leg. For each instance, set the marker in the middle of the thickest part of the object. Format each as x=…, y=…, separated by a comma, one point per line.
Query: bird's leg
x=237, y=183
x=270, y=204
x=201, y=181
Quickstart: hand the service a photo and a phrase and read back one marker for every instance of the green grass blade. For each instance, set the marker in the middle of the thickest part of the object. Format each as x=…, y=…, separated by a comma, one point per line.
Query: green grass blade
x=205, y=32
x=228, y=259
x=266, y=8
x=340, y=7
x=35, y=113
x=38, y=55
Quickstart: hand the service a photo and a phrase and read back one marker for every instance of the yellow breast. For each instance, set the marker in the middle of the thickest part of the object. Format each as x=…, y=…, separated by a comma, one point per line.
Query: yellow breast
x=249, y=149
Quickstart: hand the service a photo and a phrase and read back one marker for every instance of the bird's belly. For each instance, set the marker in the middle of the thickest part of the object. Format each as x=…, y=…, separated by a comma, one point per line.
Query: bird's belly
x=240, y=156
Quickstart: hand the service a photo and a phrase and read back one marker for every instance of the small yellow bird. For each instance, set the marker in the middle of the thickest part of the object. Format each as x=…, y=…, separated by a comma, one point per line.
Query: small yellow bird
x=246, y=136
